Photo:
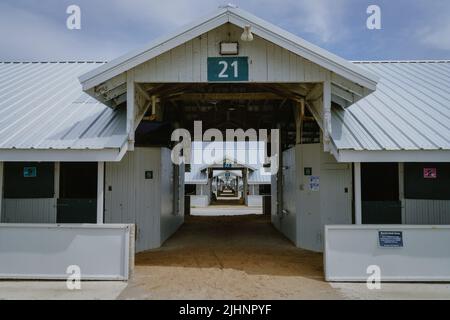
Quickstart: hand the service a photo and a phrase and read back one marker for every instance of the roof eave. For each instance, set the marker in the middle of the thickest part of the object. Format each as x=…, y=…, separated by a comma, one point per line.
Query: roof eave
x=348, y=155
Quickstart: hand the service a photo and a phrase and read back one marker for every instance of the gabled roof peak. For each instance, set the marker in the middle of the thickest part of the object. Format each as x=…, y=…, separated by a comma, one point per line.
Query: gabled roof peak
x=240, y=18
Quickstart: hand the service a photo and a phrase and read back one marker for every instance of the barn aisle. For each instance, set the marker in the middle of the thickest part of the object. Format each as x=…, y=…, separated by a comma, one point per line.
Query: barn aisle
x=228, y=257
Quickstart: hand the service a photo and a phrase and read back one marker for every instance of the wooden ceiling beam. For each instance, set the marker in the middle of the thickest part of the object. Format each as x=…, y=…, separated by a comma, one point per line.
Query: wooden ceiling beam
x=226, y=96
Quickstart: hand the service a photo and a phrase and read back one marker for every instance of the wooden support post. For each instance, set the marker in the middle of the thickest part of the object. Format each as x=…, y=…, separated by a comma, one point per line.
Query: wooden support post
x=299, y=118
x=1, y=189
x=326, y=115
x=100, y=191
x=357, y=187
x=131, y=113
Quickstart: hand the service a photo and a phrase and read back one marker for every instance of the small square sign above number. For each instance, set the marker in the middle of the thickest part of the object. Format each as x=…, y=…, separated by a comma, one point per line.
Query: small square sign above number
x=430, y=173
x=29, y=172
x=307, y=171
x=228, y=69
x=148, y=175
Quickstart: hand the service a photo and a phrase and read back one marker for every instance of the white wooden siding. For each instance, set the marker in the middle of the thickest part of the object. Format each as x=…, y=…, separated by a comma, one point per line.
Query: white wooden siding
x=148, y=203
x=288, y=223
x=267, y=61
x=29, y=210
x=170, y=221
x=427, y=211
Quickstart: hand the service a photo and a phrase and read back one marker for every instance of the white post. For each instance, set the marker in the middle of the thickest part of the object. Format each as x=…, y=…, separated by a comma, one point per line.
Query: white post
x=401, y=190
x=1, y=189
x=100, y=191
x=358, y=204
x=56, y=180
x=326, y=115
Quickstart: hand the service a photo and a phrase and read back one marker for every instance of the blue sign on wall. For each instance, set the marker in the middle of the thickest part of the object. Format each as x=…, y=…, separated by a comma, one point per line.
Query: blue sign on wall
x=390, y=239
x=29, y=172
x=228, y=69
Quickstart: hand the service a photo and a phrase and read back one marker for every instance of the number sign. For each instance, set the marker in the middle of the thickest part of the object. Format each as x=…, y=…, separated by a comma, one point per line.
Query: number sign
x=228, y=69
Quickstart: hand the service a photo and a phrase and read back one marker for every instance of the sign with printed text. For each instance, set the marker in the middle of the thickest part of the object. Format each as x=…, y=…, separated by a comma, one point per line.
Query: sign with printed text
x=314, y=183
x=430, y=173
x=390, y=239
x=228, y=69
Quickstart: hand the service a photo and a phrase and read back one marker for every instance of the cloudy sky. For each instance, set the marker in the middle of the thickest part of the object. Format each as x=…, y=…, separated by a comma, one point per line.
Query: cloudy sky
x=33, y=30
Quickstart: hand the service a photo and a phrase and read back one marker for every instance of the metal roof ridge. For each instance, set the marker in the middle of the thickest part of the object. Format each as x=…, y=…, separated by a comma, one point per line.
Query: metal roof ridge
x=400, y=61
x=53, y=62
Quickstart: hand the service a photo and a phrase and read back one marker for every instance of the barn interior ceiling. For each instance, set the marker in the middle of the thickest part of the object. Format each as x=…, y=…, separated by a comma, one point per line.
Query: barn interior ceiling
x=226, y=106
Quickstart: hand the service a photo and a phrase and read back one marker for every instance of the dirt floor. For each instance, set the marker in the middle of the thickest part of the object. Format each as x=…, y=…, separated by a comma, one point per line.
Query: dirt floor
x=231, y=257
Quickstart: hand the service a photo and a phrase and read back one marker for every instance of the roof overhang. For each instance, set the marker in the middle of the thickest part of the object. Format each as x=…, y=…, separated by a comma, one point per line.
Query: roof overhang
x=393, y=156
x=338, y=66
x=64, y=155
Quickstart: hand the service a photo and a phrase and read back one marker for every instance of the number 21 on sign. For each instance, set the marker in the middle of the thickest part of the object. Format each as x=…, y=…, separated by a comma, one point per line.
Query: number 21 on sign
x=228, y=69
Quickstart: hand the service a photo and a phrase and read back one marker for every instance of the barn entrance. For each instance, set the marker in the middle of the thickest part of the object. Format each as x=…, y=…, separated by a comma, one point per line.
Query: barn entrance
x=237, y=180
x=230, y=71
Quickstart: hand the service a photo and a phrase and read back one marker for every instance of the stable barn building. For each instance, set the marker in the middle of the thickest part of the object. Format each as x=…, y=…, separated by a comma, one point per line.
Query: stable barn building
x=85, y=150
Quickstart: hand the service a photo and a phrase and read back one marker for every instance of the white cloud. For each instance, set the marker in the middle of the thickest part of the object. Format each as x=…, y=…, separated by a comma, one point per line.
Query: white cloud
x=323, y=19
x=37, y=31
x=29, y=36
x=437, y=36
x=163, y=13
x=29, y=32
x=432, y=26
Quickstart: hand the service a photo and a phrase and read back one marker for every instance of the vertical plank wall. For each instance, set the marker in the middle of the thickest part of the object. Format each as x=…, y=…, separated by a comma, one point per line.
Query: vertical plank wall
x=427, y=211
x=29, y=210
x=148, y=203
x=267, y=62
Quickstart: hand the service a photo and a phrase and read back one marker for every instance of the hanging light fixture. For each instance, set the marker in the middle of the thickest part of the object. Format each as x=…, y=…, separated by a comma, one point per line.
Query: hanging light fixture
x=247, y=35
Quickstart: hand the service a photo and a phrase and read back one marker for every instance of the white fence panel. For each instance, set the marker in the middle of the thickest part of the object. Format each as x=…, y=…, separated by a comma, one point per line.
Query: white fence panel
x=44, y=251
x=404, y=253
